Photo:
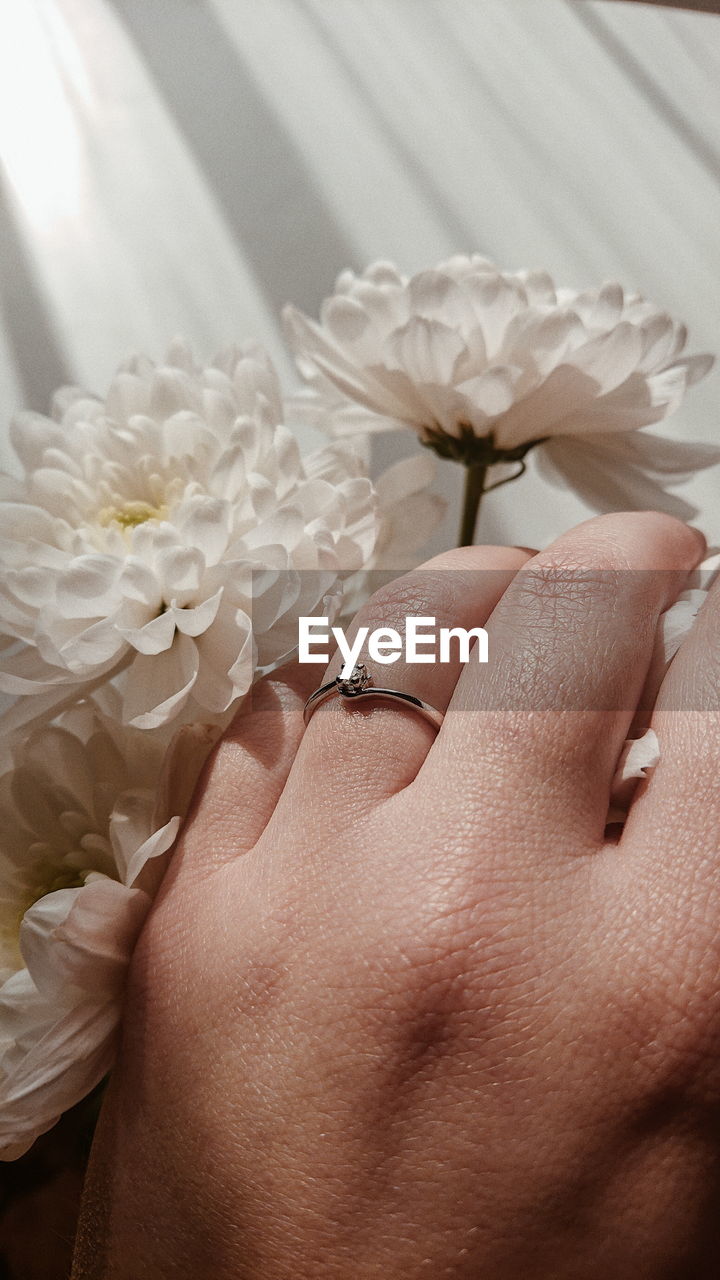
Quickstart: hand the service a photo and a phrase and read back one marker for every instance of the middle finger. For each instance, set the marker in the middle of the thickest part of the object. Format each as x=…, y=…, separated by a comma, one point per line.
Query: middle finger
x=570, y=645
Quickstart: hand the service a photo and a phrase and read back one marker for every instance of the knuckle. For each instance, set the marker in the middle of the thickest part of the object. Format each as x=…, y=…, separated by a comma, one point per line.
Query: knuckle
x=573, y=625
x=557, y=591
x=616, y=537
x=416, y=594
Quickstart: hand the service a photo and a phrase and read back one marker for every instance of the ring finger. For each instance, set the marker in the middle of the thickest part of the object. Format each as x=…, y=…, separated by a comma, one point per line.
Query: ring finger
x=372, y=747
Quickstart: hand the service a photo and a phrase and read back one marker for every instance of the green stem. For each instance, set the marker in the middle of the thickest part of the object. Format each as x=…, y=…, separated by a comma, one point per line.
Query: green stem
x=475, y=474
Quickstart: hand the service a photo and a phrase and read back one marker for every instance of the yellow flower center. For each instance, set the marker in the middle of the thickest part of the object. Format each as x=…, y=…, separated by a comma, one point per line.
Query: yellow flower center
x=67, y=878
x=46, y=877
x=131, y=514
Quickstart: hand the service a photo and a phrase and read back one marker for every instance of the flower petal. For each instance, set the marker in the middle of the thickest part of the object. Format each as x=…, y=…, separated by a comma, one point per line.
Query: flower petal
x=427, y=351
x=638, y=757
x=64, y=1054
x=593, y=471
x=154, y=693
x=83, y=938
x=154, y=637
x=405, y=478
x=204, y=523
x=677, y=622
x=193, y=621
x=341, y=371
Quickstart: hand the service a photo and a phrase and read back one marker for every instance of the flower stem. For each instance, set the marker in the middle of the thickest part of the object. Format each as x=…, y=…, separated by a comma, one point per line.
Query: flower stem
x=475, y=473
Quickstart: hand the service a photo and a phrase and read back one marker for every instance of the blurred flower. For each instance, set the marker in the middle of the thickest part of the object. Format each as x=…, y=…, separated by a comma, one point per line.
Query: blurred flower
x=485, y=365
x=86, y=816
x=638, y=757
x=408, y=516
x=171, y=532
x=641, y=754
x=408, y=512
x=677, y=621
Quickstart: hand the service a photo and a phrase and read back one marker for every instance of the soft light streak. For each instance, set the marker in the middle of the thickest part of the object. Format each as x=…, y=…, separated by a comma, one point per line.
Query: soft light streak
x=41, y=80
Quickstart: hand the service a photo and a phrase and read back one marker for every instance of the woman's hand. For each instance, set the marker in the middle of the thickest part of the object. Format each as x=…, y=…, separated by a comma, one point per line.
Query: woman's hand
x=402, y=1010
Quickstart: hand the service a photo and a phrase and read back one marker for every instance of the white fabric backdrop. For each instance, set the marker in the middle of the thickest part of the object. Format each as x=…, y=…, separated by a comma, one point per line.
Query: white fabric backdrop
x=186, y=166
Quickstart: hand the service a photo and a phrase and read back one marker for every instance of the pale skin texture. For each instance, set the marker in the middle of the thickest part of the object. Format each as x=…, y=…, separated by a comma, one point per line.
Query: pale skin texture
x=402, y=1010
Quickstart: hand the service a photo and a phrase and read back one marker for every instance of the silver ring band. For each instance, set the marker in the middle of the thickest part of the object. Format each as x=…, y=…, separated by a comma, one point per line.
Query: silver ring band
x=359, y=684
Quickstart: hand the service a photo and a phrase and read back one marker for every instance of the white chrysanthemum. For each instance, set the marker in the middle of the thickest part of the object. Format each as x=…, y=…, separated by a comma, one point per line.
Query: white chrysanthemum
x=173, y=532
x=484, y=365
x=84, y=823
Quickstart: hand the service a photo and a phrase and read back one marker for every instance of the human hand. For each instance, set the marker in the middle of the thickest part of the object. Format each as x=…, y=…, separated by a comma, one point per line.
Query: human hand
x=401, y=1008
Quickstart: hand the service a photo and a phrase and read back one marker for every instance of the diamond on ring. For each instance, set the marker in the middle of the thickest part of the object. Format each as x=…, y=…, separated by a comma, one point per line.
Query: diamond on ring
x=358, y=680
x=359, y=684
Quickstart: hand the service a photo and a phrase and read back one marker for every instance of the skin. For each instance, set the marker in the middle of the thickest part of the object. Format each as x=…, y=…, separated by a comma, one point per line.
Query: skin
x=402, y=1008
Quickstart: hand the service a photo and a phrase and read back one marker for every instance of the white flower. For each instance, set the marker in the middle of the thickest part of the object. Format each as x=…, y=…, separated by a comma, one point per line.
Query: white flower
x=677, y=621
x=408, y=512
x=640, y=755
x=172, y=532
x=83, y=832
x=484, y=365
x=408, y=515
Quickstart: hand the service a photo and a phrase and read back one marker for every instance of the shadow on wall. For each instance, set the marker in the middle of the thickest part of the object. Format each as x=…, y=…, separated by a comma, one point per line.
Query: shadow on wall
x=268, y=194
